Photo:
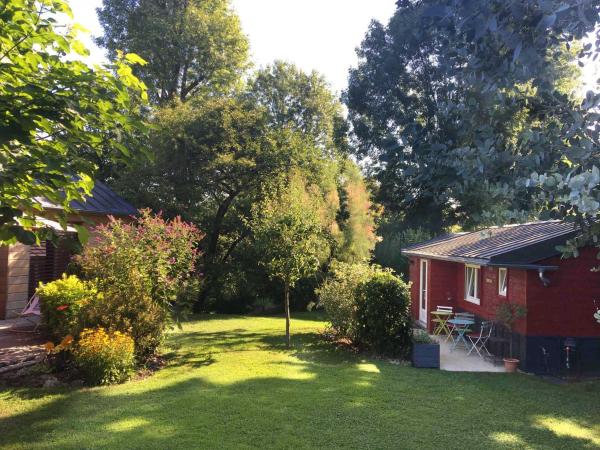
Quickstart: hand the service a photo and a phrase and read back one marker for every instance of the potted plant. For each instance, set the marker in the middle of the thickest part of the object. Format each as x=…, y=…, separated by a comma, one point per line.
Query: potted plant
x=507, y=314
x=425, y=351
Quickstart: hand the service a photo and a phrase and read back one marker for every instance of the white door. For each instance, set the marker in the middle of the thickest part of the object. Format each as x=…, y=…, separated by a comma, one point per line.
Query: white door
x=423, y=292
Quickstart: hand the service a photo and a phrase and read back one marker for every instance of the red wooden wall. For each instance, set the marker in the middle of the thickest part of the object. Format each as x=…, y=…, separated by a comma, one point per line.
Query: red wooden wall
x=564, y=308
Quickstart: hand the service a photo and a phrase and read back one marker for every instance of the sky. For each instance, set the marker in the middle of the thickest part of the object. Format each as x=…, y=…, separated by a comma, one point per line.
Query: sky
x=317, y=35
x=314, y=34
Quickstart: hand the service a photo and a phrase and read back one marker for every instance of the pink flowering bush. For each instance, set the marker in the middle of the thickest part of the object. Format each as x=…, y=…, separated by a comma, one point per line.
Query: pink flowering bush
x=144, y=270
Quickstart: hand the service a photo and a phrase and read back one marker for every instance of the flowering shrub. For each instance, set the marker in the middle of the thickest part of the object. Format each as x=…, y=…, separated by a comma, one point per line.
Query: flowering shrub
x=143, y=269
x=130, y=310
x=58, y=355
x=61, y=302
x=64, y=345
x=104, y=357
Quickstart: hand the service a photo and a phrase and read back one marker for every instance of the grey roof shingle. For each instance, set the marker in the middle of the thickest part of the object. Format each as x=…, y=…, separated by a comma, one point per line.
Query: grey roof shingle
x=102, y=201
x=515, y=244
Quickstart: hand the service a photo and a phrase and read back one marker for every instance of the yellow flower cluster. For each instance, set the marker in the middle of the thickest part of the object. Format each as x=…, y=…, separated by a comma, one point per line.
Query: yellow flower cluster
x=98, y=340
x=105, y=357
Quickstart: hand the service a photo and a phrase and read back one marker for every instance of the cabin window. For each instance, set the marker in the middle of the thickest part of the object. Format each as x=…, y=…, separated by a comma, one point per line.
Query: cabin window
x=502, y=281
x=472, y=284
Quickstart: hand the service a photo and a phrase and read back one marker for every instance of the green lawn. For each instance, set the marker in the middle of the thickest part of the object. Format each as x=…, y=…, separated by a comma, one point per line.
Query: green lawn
x=232, y=384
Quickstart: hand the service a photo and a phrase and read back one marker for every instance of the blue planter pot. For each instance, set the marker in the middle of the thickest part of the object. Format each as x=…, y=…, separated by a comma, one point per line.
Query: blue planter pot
x=426, y=356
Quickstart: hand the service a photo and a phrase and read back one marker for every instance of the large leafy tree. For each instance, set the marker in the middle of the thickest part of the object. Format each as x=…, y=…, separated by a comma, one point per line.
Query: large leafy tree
x=303, y=102
x=214, y=157
x=54, y=112
x=457, y=102
x=192, y=46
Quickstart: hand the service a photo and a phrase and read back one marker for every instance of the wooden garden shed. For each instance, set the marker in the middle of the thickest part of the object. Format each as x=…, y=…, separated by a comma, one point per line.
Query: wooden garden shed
x=22, y=267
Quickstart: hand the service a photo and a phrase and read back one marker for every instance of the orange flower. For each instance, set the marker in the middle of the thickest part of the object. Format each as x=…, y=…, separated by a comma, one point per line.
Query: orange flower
x=49, y=346
x=62, y=307
x=66, y=341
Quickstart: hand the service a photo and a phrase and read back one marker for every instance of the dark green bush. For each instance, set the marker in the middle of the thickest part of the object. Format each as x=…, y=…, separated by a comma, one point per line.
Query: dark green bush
x=337, y=295
x=383, y=320
x=126, y=308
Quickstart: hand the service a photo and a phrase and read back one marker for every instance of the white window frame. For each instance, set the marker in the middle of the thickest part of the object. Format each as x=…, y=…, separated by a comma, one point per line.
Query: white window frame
x=502, y=281
x=471, y=268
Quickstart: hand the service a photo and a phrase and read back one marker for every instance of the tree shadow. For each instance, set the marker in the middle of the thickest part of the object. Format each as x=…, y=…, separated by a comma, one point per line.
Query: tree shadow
x=313, y=395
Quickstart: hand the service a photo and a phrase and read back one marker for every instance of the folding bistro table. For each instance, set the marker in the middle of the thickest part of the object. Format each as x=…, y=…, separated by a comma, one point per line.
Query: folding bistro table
x=440, y=318
x=461, y=326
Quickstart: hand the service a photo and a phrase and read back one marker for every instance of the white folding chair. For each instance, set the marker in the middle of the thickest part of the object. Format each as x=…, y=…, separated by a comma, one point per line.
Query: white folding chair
x=31, y=310
x=479, y=340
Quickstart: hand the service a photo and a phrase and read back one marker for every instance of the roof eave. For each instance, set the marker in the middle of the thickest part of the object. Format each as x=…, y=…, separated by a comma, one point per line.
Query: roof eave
x=93, y=213
x=459, y=259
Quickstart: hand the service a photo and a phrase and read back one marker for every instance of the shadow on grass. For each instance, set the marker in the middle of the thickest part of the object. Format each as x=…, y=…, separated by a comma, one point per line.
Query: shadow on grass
x=321, y=397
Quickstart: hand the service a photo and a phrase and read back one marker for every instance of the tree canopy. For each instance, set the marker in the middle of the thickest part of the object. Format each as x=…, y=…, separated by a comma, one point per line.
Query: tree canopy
x=192, y=46
x=457, y=103
x=55, y=112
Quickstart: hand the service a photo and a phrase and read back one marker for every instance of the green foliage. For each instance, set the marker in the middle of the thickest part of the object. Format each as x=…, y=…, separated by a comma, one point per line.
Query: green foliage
x=302, y=102
x=509, y=313
x=215, y=159
x=383, y=320
x=396, y=235
x=144, y=269
x=457, y=103
x=162, y=252
x=368, y=305
x=104, y=357
x=289, y=233
x=56, y=112
x=193, y=47
x=61, y=303
x=126, y=306
x=337, y=295
x=355, y=216
x=421, y=337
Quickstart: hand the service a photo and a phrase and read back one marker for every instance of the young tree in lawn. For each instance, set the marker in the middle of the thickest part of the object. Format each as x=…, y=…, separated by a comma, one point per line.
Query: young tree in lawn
x=289, y=233
x=56, y=112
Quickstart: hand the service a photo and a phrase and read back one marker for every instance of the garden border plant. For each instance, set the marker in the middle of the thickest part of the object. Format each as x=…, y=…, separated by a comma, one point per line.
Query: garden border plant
x=370, y=306
x=138, y=276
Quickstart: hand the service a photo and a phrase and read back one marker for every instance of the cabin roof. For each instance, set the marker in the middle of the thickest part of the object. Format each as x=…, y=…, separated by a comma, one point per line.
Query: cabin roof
x=102, y=201
x=512, y=244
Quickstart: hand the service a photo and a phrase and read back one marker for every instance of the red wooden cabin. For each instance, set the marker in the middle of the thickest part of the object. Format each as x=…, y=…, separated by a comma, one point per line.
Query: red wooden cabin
x=519, y=264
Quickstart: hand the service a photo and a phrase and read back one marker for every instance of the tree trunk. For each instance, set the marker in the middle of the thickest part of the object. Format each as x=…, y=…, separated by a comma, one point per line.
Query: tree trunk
x=287, y=314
